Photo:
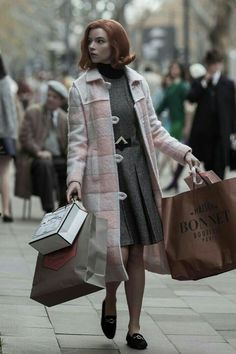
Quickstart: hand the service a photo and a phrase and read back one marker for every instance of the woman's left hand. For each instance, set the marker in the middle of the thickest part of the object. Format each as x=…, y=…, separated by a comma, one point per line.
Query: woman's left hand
x=191, y=160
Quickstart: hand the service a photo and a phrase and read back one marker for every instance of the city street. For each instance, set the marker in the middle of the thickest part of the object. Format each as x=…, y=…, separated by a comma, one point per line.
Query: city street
x=77, y=79
x=178, y=317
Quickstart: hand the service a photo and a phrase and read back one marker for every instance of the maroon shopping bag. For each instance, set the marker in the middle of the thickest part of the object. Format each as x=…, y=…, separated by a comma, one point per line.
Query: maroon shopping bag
x=200, y=231
x=73, y=271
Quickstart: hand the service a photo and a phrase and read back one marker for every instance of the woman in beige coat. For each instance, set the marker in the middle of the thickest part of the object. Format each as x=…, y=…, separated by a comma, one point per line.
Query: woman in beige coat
x=112, y=168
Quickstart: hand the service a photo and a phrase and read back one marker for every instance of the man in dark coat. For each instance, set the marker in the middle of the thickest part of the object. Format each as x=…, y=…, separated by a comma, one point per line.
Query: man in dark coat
x=215, y=116
x=41, y=166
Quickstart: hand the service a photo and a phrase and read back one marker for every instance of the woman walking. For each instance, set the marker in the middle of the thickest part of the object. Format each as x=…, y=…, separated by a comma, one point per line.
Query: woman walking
x=8, y=134
x=173, y=100
x=113, y=134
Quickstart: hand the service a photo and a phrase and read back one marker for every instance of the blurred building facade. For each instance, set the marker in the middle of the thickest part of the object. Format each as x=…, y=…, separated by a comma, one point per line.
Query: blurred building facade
x=157, y=36
x=160, y=38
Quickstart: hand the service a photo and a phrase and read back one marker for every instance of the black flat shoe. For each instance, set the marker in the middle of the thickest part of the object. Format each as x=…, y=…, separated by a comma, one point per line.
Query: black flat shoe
x=136, y=341
x=7, y=218
x=108, y=323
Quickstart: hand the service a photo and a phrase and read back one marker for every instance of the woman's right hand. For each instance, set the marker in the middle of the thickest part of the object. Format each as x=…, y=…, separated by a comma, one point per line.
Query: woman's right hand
x=73, y=191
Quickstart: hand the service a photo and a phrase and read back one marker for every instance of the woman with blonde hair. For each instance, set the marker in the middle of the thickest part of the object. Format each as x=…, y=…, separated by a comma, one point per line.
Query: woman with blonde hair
x=112, y=168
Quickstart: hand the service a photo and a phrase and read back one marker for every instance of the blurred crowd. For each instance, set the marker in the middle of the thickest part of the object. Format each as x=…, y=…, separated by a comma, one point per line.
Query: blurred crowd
x=195, y=104
x=33, y=134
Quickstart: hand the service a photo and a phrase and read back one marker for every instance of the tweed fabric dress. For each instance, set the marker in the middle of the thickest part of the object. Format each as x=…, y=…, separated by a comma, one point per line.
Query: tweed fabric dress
x=92, y=162
x=140, y=222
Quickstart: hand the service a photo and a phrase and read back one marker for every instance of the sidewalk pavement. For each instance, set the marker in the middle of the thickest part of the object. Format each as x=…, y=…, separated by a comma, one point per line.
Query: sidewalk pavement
x=178, y=317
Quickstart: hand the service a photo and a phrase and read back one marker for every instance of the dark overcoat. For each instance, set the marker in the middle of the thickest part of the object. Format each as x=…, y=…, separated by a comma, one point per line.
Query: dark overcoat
x=203, y=124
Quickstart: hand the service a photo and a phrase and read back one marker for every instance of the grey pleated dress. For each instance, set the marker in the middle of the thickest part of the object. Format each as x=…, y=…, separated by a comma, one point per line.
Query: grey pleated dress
x=140, y=221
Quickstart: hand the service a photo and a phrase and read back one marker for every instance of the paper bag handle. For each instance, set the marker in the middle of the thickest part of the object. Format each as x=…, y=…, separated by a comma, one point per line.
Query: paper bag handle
x=194, y=176
x=195, y=173
x=77, y=202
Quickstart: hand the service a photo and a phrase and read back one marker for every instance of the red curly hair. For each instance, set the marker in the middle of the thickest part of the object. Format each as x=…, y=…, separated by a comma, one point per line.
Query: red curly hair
x=119, y=42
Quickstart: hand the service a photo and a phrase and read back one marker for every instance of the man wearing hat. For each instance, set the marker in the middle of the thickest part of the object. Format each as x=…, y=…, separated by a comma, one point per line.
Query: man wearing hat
x=41, y=167
x=215, y=116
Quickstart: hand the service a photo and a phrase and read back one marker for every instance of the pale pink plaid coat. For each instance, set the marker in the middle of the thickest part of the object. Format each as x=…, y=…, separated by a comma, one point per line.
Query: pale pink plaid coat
x=92, y=158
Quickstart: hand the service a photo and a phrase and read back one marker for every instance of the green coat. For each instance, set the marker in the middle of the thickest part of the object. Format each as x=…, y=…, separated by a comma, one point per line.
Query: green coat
x=173, y=100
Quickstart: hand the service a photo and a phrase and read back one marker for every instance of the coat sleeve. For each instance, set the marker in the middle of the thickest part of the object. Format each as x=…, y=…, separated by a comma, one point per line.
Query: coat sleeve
x=26, y=136
x=233, y=109
x=196, y=91
x=63, y=132
x=77, y=138
x=161, y=138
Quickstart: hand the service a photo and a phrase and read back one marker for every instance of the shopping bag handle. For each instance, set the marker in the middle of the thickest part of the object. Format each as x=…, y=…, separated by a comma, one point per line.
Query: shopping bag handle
x=79, y=204
x=75, y=201
x=195, y=172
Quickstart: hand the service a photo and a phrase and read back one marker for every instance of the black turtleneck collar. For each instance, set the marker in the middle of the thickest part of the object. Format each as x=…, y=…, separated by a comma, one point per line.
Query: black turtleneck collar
x=108, y=71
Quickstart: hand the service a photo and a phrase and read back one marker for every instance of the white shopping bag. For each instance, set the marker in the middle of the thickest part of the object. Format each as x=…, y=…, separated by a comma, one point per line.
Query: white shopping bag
x=58, y=229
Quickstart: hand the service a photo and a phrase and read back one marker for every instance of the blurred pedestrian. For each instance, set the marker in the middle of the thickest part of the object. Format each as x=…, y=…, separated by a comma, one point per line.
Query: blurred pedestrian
x=164, y=117
x=41, y=168
x=8, y=135
x=153, y=79
x=112, y=168
x=67, y=79
x=19, y=107
x=25, y=92
x=215, y=116
x=157, y=98
x=196, y=70
x=173, y=100
x=40, y=88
